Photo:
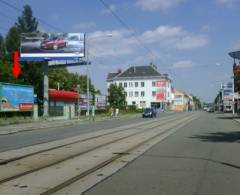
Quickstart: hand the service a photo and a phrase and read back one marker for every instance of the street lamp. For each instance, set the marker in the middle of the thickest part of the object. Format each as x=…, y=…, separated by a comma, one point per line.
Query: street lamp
x=87, y=41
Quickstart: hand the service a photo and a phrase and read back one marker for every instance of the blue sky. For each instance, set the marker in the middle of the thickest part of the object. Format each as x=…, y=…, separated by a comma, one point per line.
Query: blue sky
x=188, y=39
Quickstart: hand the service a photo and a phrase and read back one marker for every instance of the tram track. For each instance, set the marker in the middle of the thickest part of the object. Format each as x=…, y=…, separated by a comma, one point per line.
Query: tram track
x=139, y=129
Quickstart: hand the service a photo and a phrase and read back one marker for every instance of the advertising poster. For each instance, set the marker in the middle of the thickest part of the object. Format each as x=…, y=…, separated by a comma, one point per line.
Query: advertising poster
x=16, y=98
x=160, y=96
x=50, y=45
x=161, y=83
x=178, y=101
x=227, y=94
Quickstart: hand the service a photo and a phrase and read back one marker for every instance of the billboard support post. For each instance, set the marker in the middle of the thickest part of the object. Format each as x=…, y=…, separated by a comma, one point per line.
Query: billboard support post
x=45, y=89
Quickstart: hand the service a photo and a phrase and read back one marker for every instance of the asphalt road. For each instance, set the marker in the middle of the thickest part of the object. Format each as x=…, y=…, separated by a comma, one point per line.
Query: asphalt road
x=201, y=158
x=27, y=138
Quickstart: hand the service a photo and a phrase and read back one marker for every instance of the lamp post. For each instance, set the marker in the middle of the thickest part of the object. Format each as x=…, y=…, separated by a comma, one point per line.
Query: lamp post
x=87, y=41
x=78, y=101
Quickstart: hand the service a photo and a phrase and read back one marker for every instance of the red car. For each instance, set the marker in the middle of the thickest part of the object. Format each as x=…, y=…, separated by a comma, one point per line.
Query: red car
x=53, y=43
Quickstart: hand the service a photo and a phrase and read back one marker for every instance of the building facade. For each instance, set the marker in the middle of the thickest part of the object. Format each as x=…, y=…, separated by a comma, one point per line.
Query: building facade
x=144, y=86
x=182, y=101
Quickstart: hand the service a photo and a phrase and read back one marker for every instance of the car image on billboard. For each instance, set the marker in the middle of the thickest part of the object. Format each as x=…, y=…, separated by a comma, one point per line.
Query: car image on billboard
x=52, y=45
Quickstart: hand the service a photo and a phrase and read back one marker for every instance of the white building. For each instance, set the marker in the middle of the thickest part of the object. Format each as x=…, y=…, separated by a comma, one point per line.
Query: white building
x=144, y=86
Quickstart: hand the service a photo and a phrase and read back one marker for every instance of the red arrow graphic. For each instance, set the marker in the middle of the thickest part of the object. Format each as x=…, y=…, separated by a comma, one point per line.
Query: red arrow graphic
x=16, y=68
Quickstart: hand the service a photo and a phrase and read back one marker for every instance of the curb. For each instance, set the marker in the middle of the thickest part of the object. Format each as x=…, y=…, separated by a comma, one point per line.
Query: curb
x=62, y=124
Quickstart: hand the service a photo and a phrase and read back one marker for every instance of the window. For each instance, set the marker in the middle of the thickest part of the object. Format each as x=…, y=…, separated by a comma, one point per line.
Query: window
x=133, y=103
x=136, y=93
x=142, y=93
x=120, y=84
x=130, y=94
x=153, y=93
x=142, y=104
x=125, y=84
x=136, y=84
x=130, y=84
x=142, y=84
x=153, y=83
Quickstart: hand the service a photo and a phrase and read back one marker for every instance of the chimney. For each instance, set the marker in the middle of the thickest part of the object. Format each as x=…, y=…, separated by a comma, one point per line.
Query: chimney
x=153, y=66
x=119, y=71
x=134, y=69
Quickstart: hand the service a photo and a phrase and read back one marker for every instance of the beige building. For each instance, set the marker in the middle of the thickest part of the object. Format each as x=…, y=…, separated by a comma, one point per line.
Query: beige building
x=182, y=101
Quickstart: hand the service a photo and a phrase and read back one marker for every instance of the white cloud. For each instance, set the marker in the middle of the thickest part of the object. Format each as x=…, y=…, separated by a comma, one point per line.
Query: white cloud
x=86, y=25
x=120, y=43
x=108, y=11
x=235, y=46
x=153, y=5
x=174, y=37
x=183, y=64
x=163, y=38
x=228, y=3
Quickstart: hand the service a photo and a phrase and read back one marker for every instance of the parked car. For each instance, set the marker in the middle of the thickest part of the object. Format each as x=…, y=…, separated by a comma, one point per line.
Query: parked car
x=53, y=43
x=149, y=112
x=210, y=109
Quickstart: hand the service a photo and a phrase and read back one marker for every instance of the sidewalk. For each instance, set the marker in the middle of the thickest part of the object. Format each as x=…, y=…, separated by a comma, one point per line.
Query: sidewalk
x=16, y=128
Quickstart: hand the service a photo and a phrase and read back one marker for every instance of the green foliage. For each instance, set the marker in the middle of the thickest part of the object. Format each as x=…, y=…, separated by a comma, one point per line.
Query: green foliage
x=2, y=48
x=68, y=81
x=12, y=41
x=197, y=102
x=26, y=23
x=117, y=96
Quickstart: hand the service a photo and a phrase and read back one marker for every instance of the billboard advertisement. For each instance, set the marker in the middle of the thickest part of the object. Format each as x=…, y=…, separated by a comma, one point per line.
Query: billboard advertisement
x=50, y=45
x=161, y=83
x=160, y=96
x=16, y=98
x=227, y=94
x=178, y=100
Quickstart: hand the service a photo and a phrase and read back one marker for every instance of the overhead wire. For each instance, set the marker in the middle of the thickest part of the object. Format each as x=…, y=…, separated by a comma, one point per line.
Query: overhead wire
x=126, y=26
x=39, y=19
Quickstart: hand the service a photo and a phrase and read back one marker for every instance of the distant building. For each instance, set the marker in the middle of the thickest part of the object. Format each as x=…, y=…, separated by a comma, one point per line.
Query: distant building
x=182, y=101
x=144, y=86
x=224, y=98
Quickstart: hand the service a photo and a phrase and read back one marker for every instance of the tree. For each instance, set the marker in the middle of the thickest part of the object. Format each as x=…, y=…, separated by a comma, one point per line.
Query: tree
x=27, y=23
x=68, y=81
x=2, y=48
x=116, y=96
x=12, y=41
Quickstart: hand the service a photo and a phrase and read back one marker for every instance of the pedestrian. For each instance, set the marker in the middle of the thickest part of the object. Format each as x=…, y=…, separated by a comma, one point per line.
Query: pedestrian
x=111, y=112
x=116, y=112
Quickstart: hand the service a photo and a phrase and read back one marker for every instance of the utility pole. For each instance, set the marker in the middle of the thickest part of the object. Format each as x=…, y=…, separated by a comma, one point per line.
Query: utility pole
x=233, y=91
x=45, y=90
x=78, y=101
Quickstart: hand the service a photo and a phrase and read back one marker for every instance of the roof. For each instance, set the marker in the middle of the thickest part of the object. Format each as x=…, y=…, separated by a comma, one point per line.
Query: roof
x=235, y=54
x=139, y=71
x=111, y=75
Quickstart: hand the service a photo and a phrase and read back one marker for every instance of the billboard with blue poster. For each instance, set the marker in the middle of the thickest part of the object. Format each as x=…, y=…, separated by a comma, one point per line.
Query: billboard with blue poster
x=16, y=97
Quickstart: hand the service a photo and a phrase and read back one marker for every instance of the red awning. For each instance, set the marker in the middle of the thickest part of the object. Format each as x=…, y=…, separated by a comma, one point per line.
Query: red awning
x=62, y=95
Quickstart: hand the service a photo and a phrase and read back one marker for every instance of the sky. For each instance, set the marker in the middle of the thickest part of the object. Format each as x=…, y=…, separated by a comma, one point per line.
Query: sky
x=189, y=40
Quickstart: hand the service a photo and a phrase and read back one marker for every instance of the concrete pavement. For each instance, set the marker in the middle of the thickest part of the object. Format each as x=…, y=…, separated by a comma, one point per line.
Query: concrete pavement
x=200, y=159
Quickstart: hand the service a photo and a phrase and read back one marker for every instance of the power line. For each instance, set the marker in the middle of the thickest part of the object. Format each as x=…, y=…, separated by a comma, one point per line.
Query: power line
x=128, y=28
x=39, y=19
x=6, y=16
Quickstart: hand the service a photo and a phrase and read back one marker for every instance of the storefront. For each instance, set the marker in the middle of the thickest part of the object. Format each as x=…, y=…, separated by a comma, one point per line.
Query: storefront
x=62, y=102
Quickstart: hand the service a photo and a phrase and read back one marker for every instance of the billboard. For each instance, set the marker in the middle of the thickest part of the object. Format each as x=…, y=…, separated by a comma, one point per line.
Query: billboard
x=161, y=83
x=50, y=45
x=160, y=96
x=227, y=94
x=16, y=98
